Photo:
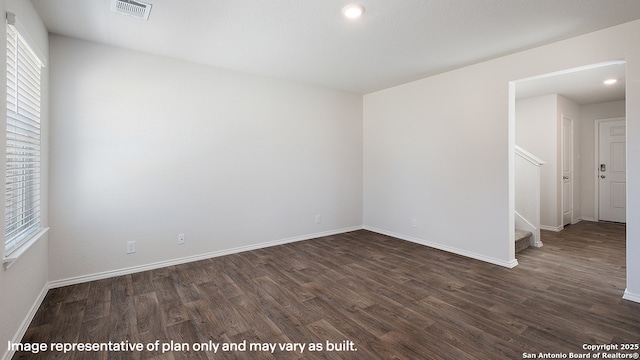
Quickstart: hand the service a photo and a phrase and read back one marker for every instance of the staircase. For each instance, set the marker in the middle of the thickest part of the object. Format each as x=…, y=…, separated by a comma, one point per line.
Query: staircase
x=527, y=199
x=523, y=239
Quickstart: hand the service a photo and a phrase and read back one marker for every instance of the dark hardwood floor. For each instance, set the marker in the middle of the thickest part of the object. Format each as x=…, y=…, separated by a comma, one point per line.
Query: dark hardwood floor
x=393, y=299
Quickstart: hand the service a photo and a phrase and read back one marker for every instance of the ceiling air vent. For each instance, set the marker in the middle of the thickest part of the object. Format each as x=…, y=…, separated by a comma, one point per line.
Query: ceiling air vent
x=136, y=9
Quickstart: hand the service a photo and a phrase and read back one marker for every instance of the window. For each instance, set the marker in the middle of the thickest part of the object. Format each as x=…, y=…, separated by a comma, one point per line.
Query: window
x=22, y=203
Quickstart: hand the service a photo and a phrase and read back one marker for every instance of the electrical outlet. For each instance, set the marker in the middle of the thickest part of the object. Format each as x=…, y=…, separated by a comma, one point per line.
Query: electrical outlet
x=318, y=219
x=180, y=239
x=131, y=247
x=414, y=222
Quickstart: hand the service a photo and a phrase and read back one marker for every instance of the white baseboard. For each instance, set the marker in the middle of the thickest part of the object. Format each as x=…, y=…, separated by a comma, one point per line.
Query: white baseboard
x=631, y=297
x=551, y=228
x=26, y=322
x=135, y=269
x=508, y=264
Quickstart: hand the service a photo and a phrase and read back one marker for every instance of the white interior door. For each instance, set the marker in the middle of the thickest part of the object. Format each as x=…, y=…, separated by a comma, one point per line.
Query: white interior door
x=567, y=171
x=612, y=171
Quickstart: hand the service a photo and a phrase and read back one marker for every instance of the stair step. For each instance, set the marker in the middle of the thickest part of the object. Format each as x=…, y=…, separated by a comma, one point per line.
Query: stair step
x=523, y=239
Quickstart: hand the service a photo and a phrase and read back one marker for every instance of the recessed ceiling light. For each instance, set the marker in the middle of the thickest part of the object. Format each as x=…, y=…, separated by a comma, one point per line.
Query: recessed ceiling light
x=610, y=81
x=353, y=11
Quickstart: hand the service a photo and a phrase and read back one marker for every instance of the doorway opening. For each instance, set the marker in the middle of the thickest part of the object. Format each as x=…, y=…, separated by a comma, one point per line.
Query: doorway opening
x=555, y=117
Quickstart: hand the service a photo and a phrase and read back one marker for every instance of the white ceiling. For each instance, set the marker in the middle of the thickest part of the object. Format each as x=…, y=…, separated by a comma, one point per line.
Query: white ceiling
x=396, y=41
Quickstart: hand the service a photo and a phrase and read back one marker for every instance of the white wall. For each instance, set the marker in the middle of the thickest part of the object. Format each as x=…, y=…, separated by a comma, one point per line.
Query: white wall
x=23, y=285
x=144, y=148
x=537, y=132
x=588, y=115
x=436, y=150
x=439, y=149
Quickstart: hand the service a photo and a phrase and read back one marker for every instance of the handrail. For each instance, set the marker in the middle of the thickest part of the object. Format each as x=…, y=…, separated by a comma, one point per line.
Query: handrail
x=529, y=156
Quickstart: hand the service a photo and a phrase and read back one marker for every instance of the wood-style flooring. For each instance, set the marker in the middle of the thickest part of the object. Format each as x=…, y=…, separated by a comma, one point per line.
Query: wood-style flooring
x=393, y=299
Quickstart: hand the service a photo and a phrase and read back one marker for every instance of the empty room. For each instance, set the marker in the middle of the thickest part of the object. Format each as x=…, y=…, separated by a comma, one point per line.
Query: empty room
x=219, y=179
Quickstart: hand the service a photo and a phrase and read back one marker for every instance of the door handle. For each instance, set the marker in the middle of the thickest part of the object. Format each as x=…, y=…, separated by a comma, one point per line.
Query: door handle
x=603, y=167
x=565, y=178
x=602, y=176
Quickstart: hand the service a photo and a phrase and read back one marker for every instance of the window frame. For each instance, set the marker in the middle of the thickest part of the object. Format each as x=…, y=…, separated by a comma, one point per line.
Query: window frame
x=23, y=136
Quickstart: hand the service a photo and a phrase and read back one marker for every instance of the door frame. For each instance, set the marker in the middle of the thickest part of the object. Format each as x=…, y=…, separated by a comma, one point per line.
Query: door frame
x=564, y=118
x=596, y=159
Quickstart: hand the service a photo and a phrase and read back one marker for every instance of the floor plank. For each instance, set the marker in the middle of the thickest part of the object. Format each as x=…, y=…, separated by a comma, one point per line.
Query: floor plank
x=393, y=299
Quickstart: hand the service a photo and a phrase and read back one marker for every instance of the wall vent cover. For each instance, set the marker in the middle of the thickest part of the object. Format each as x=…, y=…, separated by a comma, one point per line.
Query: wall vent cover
x=136, y=9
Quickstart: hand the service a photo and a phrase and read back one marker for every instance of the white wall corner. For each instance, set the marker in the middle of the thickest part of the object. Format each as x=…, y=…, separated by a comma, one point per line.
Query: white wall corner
x=508, y=264
x=631, y=296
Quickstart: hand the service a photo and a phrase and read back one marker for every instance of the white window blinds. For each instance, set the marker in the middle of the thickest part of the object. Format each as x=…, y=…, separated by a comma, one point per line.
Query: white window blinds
x=22, y=204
